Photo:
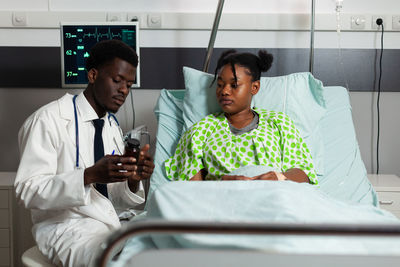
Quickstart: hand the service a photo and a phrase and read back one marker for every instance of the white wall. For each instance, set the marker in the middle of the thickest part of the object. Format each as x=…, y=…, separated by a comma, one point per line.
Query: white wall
x=145, y=99
x=254, y=6
x=365, y=121
x=364, y=113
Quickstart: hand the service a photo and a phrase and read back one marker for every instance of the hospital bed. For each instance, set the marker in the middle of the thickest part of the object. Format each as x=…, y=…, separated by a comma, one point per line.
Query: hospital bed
x=263, y=223
x=184, y=226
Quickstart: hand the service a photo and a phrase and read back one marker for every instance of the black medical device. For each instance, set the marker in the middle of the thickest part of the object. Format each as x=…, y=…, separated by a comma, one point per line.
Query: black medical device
x=78, y=38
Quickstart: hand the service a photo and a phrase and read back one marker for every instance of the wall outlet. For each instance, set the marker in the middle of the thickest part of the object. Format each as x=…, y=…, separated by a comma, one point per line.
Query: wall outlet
x=375, y=26
x=19, y=19
x=133, y=17
x=396, y=22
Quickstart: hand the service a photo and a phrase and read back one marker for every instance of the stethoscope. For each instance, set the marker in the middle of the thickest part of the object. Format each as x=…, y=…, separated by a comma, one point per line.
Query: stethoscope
x=110, y=115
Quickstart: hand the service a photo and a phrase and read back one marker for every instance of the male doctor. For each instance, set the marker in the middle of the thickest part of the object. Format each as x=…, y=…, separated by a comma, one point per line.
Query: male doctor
x=71, y=174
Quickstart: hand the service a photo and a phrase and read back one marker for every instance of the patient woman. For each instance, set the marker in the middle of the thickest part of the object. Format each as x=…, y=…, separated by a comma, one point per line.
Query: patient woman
x=241, y=136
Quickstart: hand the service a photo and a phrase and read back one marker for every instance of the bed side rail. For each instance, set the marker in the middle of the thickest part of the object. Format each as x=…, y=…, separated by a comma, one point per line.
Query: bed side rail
x=179, y=227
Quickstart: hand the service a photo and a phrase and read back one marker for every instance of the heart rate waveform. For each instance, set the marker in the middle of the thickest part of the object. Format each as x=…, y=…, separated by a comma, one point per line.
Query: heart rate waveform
x=103, y=35
x=89, y=35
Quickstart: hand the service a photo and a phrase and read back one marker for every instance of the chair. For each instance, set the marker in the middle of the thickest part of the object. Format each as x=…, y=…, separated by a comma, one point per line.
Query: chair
x=34, y=258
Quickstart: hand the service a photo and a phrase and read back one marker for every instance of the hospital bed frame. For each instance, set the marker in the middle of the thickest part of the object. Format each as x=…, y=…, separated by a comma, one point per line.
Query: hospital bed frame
x=183, y=257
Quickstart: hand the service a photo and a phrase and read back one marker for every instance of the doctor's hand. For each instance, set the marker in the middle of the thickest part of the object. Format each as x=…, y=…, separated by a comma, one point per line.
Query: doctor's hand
x=143, y=169
x=110, y=169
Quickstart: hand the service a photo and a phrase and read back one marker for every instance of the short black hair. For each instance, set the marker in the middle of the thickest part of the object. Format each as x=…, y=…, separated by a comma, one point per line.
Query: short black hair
x=106, y=51
x=255, y=64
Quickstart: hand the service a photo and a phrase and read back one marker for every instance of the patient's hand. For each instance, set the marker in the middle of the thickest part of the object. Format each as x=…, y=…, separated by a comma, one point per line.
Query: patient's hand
x=271, y=175
x=295, y=175
x=236, y=177
x=200, y=176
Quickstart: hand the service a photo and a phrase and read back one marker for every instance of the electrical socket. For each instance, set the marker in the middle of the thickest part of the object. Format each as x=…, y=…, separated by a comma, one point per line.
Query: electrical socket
x=133, y=17
x=375, y=26
x=396, y=22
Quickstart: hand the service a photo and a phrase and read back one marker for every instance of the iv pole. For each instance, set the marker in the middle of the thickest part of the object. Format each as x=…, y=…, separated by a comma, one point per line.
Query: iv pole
x=311, y=64
x=213, y=35
x=215, y=29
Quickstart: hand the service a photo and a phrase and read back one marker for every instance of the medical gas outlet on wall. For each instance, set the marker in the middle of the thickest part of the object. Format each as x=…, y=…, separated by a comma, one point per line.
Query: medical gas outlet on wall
x=396, y=22
x=154, y=20
x=358, y=22
x=19, y=19
x=115, y=16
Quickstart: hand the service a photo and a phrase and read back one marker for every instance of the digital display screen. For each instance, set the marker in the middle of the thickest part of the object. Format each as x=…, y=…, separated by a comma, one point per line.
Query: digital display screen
x=77, y=40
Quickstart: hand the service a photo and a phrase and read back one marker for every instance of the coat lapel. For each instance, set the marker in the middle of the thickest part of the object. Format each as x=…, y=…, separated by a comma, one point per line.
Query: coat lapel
x=67, y=113
x=117, y=141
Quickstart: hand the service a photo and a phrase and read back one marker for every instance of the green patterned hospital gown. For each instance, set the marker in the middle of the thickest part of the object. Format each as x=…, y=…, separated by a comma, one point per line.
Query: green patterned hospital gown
x=210, y=144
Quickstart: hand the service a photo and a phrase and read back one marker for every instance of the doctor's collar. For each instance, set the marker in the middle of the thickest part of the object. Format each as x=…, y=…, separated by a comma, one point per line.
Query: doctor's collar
x=85, y=110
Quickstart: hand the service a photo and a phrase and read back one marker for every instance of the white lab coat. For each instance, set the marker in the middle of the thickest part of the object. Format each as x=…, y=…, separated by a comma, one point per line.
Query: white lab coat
x=69, y=218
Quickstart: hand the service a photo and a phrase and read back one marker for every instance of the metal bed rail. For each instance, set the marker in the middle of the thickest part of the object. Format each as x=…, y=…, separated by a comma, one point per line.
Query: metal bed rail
x=107, y=249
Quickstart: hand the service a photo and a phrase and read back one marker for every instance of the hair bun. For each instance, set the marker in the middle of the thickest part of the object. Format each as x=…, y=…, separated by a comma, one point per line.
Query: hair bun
x=265, y=60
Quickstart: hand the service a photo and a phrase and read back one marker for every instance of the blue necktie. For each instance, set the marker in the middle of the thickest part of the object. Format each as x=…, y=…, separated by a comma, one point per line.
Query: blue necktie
x=99, y=151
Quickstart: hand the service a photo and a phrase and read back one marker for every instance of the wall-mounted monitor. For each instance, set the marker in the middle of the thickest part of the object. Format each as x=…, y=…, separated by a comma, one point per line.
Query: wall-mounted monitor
x=78, y=38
